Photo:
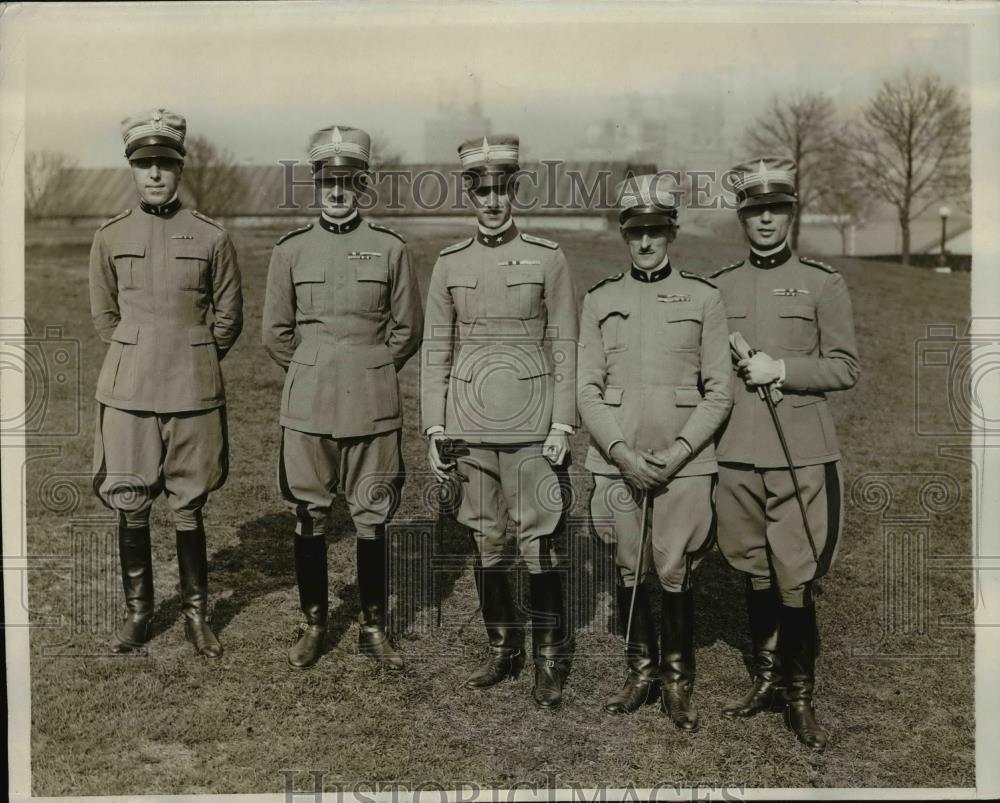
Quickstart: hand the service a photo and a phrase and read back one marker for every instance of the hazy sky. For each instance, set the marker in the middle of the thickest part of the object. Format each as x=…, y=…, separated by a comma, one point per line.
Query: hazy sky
x=259, y=78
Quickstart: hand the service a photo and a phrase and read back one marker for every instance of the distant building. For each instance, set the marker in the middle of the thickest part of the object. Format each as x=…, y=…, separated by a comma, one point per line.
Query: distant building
x=444, y=132
x=684, y=130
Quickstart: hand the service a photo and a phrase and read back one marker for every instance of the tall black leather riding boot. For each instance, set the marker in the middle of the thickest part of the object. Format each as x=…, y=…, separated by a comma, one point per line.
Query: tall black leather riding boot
x=549, y=639
x=765, y=694
x=640, y=653
x=797, y=644
x=311, y=576
x=135, y=554
x=677, y=659
x=373, y=567
x=192, y=560
x=506, y=658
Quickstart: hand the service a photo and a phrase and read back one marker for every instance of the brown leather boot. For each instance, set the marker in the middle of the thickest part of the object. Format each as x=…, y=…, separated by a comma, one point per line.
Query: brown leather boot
x=373, y=638
x=641, y=683
x=677, y=659
x=192, y=560
x=549, y=639
x=135, y=554
x=797, y=644
x=506, y=656
x=311, y=576
x=765, y=694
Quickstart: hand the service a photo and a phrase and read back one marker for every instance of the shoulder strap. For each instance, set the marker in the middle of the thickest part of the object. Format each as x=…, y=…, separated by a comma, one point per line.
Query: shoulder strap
x=815, y=263
x=387, y=230
x=207, y=219
x=531, y=238
x=115, y=219
x=454, y=248
x=292, y=233
x=688, y=275
x=605, y=280
x=726, y=269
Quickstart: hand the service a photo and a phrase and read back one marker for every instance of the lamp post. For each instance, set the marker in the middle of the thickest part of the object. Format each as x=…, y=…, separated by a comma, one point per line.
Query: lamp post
x=943, y=266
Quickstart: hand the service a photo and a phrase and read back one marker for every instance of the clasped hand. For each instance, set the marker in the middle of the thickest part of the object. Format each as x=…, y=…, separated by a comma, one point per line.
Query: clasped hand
x=648, y=470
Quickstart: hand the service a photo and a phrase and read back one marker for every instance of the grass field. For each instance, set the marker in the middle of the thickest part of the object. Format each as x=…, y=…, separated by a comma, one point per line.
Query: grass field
x=169, y=723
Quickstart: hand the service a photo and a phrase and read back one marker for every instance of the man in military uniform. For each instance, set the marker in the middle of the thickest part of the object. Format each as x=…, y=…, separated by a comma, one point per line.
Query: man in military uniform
x=654, y=387
x=156, y=271
x=797, y=313
x=498, y=373
x=342, y=315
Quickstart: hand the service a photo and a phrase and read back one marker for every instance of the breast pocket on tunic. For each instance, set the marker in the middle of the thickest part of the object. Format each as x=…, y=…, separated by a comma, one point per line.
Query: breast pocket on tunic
x=464, y=296
x=190, y=265
x=682, y=327
x=373, y=286
x=612, y=324
x=130, y=265
x=735, y=316
x=310, y=288
x=797, y=326
x=525, y=287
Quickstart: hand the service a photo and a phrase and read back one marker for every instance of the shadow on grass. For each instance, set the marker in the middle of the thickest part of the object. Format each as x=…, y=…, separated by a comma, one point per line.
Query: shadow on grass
x=261, y=562
x=426, y=566
x=258, y=564
x=720, y=608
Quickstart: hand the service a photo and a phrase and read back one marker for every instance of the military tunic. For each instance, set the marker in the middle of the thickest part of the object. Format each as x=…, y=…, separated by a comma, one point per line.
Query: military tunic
x=155, y=276
x=498, y=369
x=342, y=315
x=654, y=367
x=797, y=310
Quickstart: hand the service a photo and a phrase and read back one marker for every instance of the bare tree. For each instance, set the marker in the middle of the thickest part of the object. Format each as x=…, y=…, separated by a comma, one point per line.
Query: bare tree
x=800, y=127
x=212, y=177
x=841, y=194
x=911, y=146
x=43, y=172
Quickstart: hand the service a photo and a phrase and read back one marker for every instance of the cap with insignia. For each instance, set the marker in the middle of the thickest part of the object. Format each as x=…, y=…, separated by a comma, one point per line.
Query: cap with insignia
x=648, y=200
x=489, y=161
x=765, y=180
x=154, y=133
x=339, y=150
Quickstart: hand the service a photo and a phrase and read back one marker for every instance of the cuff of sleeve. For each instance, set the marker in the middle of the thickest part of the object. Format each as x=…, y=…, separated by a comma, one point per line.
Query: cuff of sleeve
x=781, y=375
x=437, y=429
x=612, y=445
x=562, y=427
x=795, y=376
x=606, y=434
x=686, y=445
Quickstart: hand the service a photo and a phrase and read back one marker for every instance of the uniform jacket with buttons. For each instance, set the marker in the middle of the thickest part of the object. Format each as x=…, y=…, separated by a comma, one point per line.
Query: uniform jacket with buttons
x=654, y=366
x=499, y=356
x=799, y=311
x=342, y=314
x=165, y=294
